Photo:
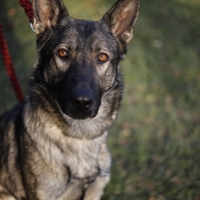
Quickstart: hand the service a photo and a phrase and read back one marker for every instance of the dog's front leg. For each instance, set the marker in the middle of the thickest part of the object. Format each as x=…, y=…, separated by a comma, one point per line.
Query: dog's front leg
x=74, y=190
x=95, y=190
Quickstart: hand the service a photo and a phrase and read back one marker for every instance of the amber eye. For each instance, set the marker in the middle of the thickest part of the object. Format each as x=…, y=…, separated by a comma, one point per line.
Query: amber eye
x=63, y=53
x=103, y=57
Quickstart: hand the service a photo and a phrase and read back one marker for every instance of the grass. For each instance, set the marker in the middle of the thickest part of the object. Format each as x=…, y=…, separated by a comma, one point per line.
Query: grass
x=155, y=142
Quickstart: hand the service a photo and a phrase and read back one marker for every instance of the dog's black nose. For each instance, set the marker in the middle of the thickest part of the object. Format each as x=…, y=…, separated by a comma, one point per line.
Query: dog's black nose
x=82, y=99
x=81, y=102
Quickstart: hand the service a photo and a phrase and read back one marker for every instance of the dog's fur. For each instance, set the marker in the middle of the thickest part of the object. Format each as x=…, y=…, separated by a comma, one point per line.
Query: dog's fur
x=53, y=146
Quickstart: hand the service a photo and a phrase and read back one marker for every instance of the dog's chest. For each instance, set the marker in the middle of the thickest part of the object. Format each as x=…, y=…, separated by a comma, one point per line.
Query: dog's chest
x=82, y=157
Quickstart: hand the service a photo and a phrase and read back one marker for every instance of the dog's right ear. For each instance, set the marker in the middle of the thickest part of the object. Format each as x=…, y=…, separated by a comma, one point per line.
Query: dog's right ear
x=47, y=14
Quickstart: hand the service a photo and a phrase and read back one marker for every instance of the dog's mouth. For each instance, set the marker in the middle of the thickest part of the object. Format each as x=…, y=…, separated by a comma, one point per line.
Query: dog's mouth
x=78, y=112
x=80, y=116
x=81, y=112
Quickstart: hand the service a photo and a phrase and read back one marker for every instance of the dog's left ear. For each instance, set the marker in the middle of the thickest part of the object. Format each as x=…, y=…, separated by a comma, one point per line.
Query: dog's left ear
x=47, y=13
x=122, y=18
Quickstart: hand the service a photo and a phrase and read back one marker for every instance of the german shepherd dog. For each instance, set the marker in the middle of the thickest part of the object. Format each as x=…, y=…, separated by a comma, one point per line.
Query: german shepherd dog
x=53, y=146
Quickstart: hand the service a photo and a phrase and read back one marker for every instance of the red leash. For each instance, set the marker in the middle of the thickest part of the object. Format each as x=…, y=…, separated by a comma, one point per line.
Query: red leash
x=9, y=66
x=27, y=5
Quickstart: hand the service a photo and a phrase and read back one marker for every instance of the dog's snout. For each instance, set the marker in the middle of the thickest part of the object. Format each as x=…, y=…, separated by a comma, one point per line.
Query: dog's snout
x=82, y=99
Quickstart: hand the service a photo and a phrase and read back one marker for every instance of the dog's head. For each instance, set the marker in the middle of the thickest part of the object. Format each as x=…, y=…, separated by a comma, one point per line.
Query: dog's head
x=78, y=59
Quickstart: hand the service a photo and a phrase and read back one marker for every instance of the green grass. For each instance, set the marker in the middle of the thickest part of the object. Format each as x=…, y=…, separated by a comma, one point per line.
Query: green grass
x=155, y=143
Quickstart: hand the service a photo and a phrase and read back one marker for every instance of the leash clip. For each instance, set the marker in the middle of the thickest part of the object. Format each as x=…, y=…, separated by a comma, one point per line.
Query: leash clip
x=31, y=26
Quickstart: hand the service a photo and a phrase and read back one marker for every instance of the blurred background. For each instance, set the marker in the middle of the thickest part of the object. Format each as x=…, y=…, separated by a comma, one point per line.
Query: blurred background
x=155, y=143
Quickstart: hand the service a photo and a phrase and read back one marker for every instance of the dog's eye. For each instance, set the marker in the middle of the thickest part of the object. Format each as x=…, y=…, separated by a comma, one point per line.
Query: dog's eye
x=103, y=57
x=63, y=53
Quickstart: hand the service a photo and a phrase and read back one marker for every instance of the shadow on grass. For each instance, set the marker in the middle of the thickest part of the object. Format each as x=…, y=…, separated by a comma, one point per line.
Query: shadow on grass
x=155, y=144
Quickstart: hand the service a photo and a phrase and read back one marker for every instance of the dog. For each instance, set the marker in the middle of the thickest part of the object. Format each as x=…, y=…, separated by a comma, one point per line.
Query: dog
x=53, y=146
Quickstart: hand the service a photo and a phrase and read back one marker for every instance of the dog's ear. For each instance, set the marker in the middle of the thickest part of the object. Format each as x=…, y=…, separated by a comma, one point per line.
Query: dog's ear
x=47, y=13
x=122, y=18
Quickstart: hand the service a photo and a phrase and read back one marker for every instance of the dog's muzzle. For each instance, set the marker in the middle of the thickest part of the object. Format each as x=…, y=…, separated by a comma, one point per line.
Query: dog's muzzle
x=80, y=102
